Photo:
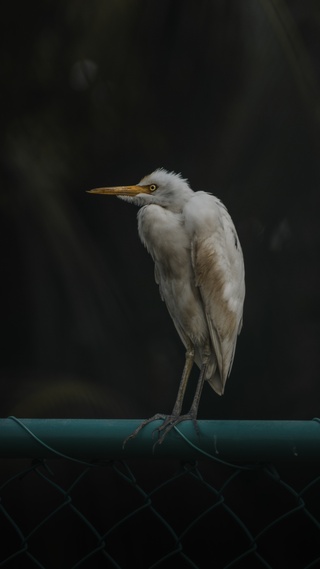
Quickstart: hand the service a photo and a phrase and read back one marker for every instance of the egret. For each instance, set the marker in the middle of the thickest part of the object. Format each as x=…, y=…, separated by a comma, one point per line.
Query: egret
x=200, y=272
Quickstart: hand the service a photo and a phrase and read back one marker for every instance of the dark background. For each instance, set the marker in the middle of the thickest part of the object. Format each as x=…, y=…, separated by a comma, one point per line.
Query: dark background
x=104, y=92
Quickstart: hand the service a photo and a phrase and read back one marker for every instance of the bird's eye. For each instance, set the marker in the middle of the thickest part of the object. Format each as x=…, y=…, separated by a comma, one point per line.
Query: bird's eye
x=152, y=187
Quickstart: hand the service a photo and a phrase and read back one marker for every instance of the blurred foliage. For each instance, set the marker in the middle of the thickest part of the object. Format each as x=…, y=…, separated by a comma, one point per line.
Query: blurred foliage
x=104, y=92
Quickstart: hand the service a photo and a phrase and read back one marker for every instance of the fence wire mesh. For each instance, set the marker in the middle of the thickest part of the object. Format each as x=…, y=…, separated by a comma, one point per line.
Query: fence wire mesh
x=149, y=513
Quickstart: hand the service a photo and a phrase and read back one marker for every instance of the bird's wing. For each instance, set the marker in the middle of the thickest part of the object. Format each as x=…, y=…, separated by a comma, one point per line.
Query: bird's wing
x=219, y=273
x=158, y=279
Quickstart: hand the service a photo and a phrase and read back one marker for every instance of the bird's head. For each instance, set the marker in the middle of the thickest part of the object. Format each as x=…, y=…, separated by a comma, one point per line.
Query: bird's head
x=163, y=188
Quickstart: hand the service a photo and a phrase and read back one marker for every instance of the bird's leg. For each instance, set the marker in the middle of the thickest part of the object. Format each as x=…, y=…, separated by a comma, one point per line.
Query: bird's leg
x=196, y=400
x=170, y=419
x=184, y=381
x=173, y=420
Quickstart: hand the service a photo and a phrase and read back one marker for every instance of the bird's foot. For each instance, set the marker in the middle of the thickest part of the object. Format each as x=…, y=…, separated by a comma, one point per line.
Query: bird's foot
x=155, y=417
x=169, y=422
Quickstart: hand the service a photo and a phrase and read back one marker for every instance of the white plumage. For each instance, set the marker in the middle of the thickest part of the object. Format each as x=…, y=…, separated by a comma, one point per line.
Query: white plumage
x=200, y=272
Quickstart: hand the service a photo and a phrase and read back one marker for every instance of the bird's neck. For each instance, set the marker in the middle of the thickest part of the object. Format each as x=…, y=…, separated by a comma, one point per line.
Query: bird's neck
x=174, y=202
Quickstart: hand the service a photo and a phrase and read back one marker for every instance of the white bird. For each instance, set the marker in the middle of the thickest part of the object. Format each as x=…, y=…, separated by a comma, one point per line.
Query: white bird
x=200, y=272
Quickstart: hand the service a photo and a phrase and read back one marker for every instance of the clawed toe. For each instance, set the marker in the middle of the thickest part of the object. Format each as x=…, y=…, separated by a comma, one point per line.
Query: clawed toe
x=142, y=425
x=169, y=422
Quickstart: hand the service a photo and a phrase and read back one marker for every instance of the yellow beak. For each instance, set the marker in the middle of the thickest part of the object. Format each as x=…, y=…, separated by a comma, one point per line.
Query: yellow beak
x=121, y=190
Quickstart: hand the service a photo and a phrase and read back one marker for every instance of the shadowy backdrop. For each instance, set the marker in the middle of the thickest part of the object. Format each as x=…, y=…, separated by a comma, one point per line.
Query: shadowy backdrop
x=97, y=93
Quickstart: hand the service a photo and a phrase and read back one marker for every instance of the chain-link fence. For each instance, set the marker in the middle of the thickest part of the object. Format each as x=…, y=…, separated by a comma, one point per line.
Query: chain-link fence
x=84, y=501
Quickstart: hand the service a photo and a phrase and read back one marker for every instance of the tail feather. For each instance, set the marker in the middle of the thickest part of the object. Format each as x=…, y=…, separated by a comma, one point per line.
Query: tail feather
x=216, y=383
x=212, y=374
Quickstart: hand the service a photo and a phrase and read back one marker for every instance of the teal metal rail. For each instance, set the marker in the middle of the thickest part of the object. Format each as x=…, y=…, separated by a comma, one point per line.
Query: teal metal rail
x=241, y=494
x=100, y=439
